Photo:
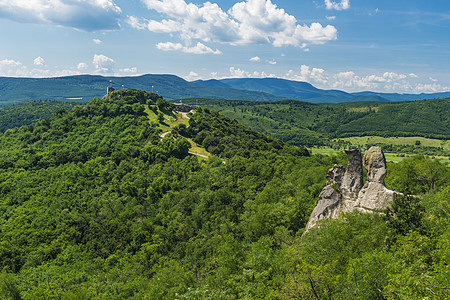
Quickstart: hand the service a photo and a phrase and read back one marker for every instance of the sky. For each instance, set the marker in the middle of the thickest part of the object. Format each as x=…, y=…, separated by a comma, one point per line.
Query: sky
x=352, y=45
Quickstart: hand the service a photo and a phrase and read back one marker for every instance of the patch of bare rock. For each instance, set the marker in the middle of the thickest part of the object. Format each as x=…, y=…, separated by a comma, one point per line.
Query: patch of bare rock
x=345, y=191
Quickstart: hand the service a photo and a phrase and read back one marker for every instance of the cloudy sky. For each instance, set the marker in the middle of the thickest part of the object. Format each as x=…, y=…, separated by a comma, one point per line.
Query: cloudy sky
x=352, y=45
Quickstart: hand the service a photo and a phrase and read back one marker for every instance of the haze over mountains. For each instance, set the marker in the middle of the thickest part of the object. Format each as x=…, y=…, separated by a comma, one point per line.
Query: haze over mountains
x=84, y=87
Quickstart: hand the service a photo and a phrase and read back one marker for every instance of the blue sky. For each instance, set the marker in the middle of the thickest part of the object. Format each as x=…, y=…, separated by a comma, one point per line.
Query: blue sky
x=388, y=46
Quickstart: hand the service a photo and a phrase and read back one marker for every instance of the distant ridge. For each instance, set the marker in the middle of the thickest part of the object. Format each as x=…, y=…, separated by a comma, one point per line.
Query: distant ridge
x=297, y=90
x=90, y=86
x=84, y=87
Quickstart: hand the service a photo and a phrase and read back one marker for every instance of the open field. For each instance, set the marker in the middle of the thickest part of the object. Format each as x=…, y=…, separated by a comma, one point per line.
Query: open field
x=390, y=157
x=363, y=140
x=325, y=151
x=199, y=150
x=170, y=121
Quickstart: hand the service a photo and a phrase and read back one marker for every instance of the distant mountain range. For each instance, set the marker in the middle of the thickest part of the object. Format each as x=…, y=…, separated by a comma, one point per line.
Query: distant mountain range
x=297, y=90
x=84, y=87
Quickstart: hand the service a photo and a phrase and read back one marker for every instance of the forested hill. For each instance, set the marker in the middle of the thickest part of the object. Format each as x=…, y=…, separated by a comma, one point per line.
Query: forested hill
x=30, y=112
x=84, y=87
x=302, y=123
x=94, y=204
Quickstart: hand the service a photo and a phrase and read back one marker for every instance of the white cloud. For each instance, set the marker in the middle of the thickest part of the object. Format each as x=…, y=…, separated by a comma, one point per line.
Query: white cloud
x=238, y=73
x=432, y=79
x=88, y=15
x=82, y=66
x=97, y=41
x=169, y=46
x=308, y=74
x=10, y=67
x=132, y=70
x=39, y=61
x=390, y=76
x=201, y=49
x=272, y=62
x=193, y=76
x=256, y=58
x=134, y=22
x=197, y=49
x=103, y=64
x=331, y=18
x=429, y=88
x=13, y=68
x=247, y=22
x=352, y=82
x=344, y=4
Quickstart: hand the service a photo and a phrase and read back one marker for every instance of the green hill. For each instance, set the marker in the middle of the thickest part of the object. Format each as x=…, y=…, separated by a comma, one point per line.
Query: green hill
x=85, y=87
x=302, y=123
x=30, y=112
x=94, y=204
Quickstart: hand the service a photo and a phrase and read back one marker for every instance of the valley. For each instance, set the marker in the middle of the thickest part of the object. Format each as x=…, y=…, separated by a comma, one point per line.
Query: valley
x=112, y=200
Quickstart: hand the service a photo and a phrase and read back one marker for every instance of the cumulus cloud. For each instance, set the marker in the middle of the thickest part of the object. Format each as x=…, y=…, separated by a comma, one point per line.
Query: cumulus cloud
x=39, y=61
x=272, y=62
x=97, y=41
x=132, y=70
x=238, y=73
x=351, y=81
x=308, y=74
x=82, y=66
x=247, y=22
x=331, y=18
x=344, y=4
x=13, y=68
x=197, y=49
x=87, y=15
x=10, y=67
x=103, y=64
x=256, y=58
x=193, y=76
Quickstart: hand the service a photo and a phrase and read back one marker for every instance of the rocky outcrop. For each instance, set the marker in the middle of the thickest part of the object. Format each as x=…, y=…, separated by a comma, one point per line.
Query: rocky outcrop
x=374, y=196
x=344, y=190
x=353, y=177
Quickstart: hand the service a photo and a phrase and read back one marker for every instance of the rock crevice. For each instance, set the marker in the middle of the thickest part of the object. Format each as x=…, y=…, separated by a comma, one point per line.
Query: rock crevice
x=345, y=192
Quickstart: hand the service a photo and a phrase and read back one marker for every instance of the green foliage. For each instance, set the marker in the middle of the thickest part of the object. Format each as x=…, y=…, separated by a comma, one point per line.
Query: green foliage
x=30, y=112
x=8, y=286
x=417, y=174
x=93, y=205
x=302, y=123
x=405, y=215
x=225, y=137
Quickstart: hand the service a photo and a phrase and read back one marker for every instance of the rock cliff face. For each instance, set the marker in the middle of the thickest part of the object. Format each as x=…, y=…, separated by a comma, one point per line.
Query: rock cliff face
x=344, y=190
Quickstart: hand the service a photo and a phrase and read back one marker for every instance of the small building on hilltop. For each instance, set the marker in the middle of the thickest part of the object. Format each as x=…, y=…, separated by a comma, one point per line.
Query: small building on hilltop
x=184, y=107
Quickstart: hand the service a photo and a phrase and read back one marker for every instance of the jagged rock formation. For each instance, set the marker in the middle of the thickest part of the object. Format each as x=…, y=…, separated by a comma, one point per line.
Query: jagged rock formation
x=344, y=190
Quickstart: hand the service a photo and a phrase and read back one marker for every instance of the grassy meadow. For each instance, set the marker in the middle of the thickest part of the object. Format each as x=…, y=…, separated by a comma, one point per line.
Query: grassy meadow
x=411, y=140
x=390, y=157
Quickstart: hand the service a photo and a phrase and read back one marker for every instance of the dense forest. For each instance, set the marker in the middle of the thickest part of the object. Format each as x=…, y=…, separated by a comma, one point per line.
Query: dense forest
x=30, y=112
x=308, y=124
x=94, y=205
